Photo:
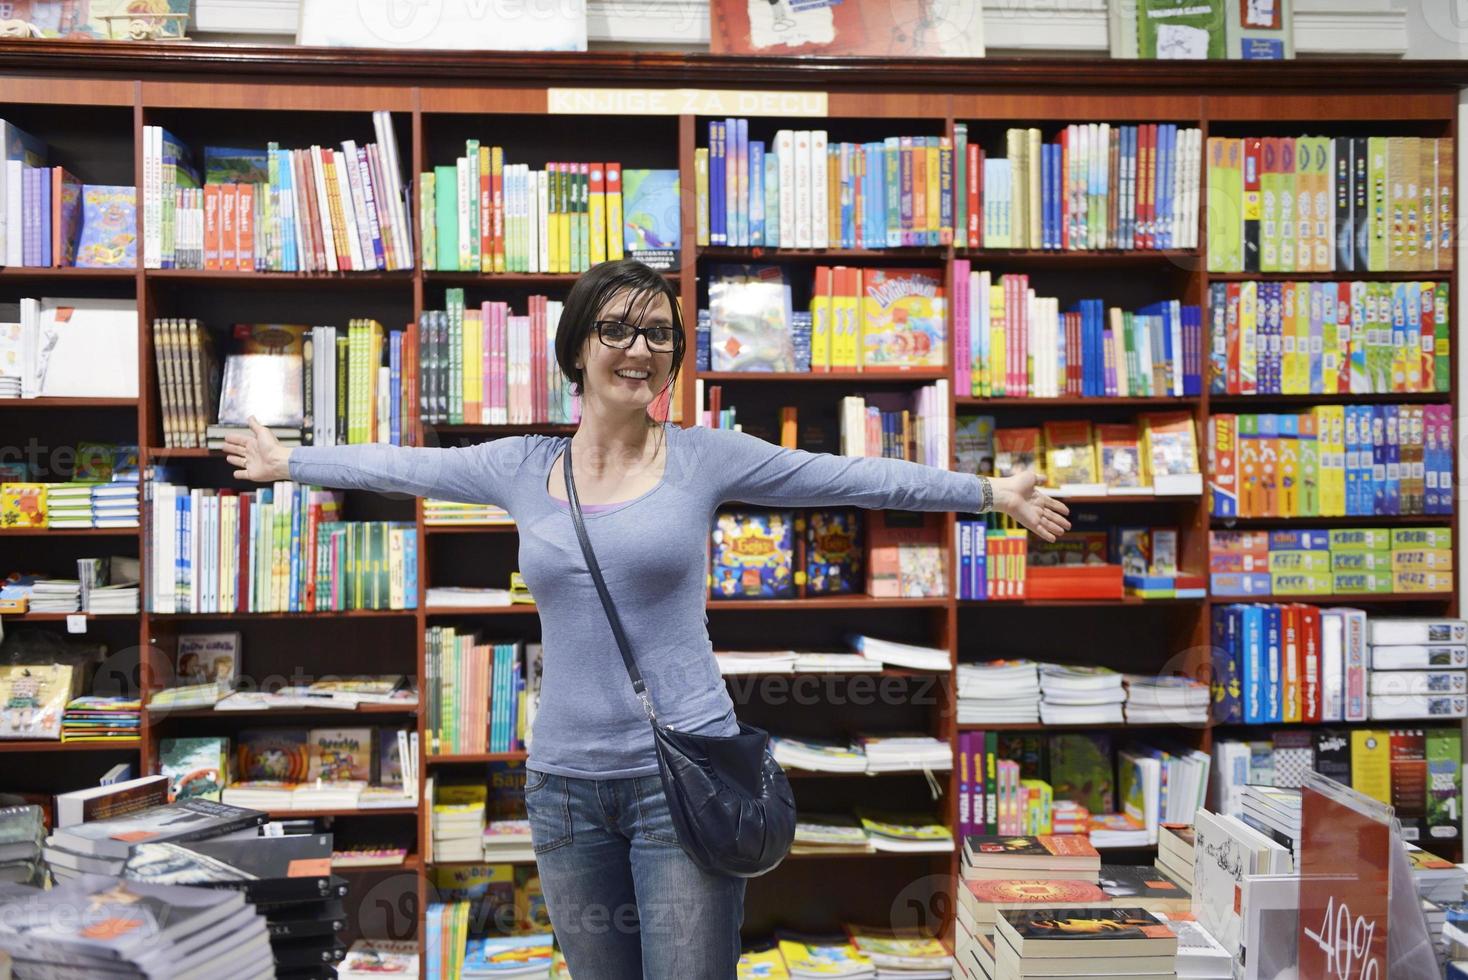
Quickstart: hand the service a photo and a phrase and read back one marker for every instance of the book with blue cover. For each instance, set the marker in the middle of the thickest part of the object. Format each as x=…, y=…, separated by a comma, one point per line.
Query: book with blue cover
x=650, y=209
x=753, y=555
x=109, y=237
x=833, y=562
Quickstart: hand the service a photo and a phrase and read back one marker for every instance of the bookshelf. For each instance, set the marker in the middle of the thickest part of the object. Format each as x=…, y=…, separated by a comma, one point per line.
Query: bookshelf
x=91, y=102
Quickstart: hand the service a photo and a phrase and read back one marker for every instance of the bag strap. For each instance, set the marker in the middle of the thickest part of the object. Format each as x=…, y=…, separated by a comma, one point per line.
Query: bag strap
x=601, y=589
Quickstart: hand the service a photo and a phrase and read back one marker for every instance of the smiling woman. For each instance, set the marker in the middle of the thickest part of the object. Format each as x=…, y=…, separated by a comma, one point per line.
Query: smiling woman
x=626, y=901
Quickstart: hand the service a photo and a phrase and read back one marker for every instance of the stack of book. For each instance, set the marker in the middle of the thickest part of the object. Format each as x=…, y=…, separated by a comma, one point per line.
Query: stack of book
x=286, y=877
x=99, y=718
x=899, y=753
x=1199, y=955
x=818, y=755
x=891, y=653
x=109, y=585
x=861, y=319
x=1275, y=812
x=64, y=223
x=464, y=597
x=1142, y=771
x=1349, y=338
x=457, y=821
x=830, y=834
x=1417, y=668
x=1073, y=695
x=1017, y=872
x=1435, y=878
x=906, y=833
x=998, y=692
x=452, y=513
x=1176, y=852
x=1009, y=342
x=1081, y=942
x=1170, y=700
x=53, y=595
x=1158, y=455
x=268, y=209
x=133, y=928
x=912, y=426
x=115, y=504
x=114, y=825
x=69, y=505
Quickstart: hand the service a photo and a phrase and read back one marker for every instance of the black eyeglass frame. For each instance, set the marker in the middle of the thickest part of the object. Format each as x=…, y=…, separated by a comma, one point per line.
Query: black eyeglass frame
x=639, y=332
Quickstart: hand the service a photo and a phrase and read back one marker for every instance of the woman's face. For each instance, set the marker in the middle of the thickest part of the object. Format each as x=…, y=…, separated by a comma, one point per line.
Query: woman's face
x=627, y=379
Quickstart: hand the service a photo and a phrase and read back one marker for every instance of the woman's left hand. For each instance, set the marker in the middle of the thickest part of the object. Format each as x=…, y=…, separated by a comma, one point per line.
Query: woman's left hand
x=1021, y=498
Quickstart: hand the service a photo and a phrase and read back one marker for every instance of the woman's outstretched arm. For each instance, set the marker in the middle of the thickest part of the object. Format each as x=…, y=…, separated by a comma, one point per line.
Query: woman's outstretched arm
x=471, y=474
x=751, y=470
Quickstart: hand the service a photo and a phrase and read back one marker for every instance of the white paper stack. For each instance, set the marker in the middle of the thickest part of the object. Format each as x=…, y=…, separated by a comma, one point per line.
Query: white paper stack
x=825, y=755
x=898, y=753
x=998, y=692
x=1166, y=700
x=1080, y=695
x=755, y=661
x=56, y=595
x=890, y=653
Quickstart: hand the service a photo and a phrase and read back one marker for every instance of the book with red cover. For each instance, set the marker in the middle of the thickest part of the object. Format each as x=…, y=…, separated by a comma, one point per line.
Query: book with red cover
x=1052, y=851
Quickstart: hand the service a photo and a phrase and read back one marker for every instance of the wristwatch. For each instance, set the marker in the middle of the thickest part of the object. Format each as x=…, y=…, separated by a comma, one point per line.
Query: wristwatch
x=986, y=504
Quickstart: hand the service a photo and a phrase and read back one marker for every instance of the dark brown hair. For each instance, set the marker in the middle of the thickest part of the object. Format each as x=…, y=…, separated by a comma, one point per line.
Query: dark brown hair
x=638, y=283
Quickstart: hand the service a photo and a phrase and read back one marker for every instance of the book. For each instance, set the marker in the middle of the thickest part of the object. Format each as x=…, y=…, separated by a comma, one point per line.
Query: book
x=369, y=958
x=108, y=238
x=273, y=755
x=291, y=868
x=196, y=768
x=1015, y=853
x=903, y=319
x=111, y=800
x=208, y=658
x=753, y=555
x=340, y=755
x=1102, y=933
x=650, y=209
x=182, y=821
x=833, y=552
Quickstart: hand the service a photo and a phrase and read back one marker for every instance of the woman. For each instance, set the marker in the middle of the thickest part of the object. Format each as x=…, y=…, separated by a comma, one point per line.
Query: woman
x=626, y=902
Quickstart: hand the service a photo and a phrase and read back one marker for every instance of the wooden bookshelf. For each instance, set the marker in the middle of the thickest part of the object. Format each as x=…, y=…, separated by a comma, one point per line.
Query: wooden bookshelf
x=93, y=98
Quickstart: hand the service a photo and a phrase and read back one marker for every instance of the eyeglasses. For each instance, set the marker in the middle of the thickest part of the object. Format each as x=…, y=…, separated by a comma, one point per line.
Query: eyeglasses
x=660, y=339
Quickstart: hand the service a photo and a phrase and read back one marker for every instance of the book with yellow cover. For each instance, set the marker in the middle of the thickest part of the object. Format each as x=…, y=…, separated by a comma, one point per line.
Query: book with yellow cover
x=22, y=505
x=903, y=318
x=814, y=958
x=1070, y=457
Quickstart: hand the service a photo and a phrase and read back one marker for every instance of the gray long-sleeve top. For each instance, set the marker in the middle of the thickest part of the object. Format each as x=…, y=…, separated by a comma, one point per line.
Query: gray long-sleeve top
x=653, y=553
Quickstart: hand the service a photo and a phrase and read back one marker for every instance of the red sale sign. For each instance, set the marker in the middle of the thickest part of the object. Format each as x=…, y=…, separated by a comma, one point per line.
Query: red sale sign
x=1345, y=865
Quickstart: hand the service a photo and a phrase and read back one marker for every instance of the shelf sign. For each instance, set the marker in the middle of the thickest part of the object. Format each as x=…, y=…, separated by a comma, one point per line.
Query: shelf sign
x=683, y=101
x=1345, y=864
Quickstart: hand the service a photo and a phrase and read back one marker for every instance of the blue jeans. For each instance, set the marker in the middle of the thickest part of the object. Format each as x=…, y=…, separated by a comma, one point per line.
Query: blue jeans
x=625, y=901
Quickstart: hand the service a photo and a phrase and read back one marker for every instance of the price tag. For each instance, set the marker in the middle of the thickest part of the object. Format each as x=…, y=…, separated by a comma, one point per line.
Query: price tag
x=76, y=623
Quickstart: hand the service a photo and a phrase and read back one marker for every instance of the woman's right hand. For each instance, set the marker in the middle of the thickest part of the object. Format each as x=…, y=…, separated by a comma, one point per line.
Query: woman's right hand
x=257, y=455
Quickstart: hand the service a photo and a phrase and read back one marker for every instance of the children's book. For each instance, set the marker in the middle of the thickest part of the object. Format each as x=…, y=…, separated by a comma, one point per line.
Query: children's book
x=973, y=441
x=750, y=316
x=1018, y=449
x=273, y=754
x=208, y=657
x=340, y=755
x=33, y=698
x=1121, y=457
x=109, y=233
x=753, y=555
x=904, y=319
x=833, y=562
x=1071, y=456
x=650, y=209
x=197, y=768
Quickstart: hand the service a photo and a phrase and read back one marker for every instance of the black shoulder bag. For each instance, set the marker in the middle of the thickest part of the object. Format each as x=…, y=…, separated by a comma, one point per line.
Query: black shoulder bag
x=731, y=803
